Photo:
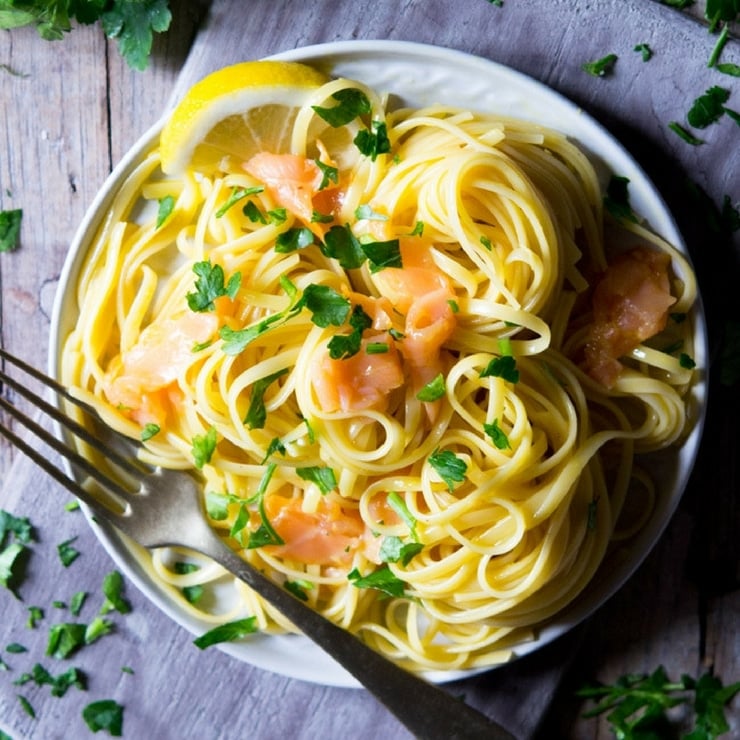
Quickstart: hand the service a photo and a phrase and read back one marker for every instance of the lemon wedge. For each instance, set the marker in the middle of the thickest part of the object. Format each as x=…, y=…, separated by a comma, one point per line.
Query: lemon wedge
x=236, y=111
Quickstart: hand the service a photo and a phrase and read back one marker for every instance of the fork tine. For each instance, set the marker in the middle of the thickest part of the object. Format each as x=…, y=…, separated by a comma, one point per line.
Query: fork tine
x=113, y=488
x=53, y=412
x=92, y=502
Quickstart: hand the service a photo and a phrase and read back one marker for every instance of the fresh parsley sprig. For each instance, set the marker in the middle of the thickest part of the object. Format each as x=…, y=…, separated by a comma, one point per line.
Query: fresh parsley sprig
x=132, y=23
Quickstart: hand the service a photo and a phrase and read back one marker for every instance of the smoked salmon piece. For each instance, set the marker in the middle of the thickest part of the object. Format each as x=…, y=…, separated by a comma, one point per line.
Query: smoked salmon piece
x=630, y=305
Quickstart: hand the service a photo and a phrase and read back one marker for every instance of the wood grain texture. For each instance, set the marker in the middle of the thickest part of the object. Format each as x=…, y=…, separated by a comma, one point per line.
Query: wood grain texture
x=681, y=609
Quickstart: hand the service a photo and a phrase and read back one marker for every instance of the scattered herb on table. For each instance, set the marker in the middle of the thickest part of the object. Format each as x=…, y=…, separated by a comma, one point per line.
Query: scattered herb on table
x=10, y=229
x=637, y=704
x=227, y=632
x=601, y=67
x=105, y=714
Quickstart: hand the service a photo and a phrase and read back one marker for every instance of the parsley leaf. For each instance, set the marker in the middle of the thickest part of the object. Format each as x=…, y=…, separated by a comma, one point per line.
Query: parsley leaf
x=105, y=714
x=227, y=632
x=341, y=244
x=10, y=229
x=204, y=445
x=373, y=141
x=708, y=108
x=148, y=431
x=351, y=103
x=600, y=67
x=329, y=174
x=257, y=414
x=433, y=390
x=235, y=196
x=293, y=239
x=323, y=477
x=617, y=199
x=265, y=533
x=344, y=346
x=498, y=436
x=133, y=24
x=394, y=550
x=164, y=210
x=645, y=51
x=502, y=367
x=210, y=285
x=382, y=579
x=450, y=468
x=67, y=553
x=113, y=592
x=399, y=506
x=382, y=254
x=326, y=305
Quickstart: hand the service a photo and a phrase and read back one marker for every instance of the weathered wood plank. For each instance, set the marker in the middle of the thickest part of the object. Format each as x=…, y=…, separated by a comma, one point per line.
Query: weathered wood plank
x=667, y=613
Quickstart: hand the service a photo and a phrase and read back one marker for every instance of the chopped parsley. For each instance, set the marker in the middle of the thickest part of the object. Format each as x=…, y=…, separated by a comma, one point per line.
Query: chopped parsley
x=298, y=588
x=113, y=592
x=502, y=367
x=327, y=306
x=164, y=209
x=637, y=705
x=382, y=254
x=645, y=51
x=450, y=468
x=366, y=213
x=236, y=340
x=373, y=141
x=708, y=108
x=105, y=714
x=257, y=413
x=687, y=136
x=293, y=239
x=210, y=285
x=399, y=506
x=193, y=594
x=351, y=103
x=265, y=534
x=497, y=435
x=59, y=684
x=227, y=632
x=10, y=229
x=395, y=550
x=204, y=445
x=67, y=553
x=67, y=637
x=617, y=199
x=383, y=579
x=322, y=476
x=601, y=67
x=343, y=346
x=236, y=195
x=433, y=390
x=342, y=245
x=329, y=174
x=35, y=615
x=149, y=430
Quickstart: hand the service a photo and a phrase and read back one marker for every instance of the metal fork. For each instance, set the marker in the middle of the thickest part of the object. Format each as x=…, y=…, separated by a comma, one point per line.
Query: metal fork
x=164, y=509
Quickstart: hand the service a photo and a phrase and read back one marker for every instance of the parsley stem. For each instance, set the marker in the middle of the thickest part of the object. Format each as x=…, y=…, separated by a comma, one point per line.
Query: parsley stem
x=718, y=47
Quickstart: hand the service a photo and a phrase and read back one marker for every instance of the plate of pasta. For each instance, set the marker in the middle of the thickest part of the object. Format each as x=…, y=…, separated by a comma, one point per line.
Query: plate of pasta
x=438, y=356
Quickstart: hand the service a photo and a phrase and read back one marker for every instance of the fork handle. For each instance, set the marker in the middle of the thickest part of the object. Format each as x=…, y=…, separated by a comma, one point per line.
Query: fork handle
x=425, y=709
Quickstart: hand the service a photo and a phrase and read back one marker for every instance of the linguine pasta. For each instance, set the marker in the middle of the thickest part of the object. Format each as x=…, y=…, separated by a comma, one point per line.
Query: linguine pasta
x=389, y=395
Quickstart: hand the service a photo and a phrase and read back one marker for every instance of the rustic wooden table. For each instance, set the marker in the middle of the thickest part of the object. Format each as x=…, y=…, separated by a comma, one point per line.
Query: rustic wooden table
x=70, y=110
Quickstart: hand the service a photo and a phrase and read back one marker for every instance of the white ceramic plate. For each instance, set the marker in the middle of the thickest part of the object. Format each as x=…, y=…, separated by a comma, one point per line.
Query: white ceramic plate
x=418, y=75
